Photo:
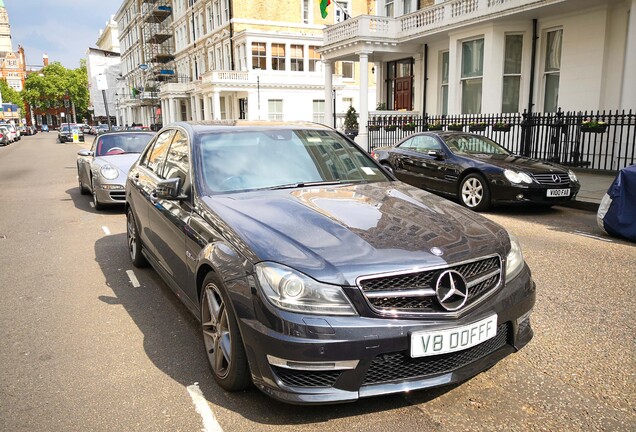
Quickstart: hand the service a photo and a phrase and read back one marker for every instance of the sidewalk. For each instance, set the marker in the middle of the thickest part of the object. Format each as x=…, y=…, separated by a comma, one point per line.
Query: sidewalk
x=593, y=187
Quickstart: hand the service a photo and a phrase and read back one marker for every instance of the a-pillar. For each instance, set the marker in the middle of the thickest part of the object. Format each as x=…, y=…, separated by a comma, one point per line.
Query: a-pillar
x=328, y=93
x=363, y=117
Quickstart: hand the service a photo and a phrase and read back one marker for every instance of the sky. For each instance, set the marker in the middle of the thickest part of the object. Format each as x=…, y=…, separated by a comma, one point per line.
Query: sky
x=63, y=29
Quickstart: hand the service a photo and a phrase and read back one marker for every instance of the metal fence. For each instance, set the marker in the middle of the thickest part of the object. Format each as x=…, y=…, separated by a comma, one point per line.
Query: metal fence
x=595, y=140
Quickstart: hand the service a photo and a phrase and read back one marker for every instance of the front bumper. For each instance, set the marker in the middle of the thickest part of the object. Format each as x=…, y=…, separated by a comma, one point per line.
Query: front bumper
x=107, y=195
x=371, y=356
x=531, y=194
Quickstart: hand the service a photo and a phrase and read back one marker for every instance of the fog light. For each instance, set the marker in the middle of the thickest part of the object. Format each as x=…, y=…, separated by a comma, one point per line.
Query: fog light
x=312, y=366
x=520, y=197
x=524, y=317
x=112, y=187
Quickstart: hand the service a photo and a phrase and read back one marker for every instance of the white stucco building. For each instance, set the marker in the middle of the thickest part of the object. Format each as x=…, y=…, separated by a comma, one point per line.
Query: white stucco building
x=492, y=56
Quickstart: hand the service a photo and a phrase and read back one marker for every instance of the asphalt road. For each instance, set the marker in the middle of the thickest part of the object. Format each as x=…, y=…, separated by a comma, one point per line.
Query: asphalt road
x=84, y=347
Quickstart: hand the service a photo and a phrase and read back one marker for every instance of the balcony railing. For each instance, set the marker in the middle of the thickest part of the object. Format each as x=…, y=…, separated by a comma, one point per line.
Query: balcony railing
x=429, y=19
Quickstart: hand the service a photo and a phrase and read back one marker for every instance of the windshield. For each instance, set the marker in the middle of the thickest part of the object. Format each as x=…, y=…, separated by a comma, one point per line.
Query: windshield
x=279, y=159
x=472, y=144
x=122, y=143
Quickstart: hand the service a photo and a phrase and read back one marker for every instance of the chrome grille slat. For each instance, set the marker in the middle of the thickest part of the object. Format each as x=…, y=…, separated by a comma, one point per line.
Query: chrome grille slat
x=413, y=293
x=546, y=179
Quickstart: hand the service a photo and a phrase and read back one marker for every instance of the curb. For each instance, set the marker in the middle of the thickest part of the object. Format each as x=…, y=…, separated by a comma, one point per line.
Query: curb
x=582, y=205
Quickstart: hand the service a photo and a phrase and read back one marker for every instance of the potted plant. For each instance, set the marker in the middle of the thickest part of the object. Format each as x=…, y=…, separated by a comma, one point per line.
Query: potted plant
x=477, y=126
x=456, y=127
x=374, y=127
x=351, y=123
x=409, y=127
x=593, y=126
x=501, y=127
x=390, y=127
x=434, y=126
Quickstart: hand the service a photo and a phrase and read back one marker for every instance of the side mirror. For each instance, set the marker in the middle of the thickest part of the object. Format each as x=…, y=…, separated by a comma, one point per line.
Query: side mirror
x=436, y=154
x=85, y=153
x=169, y=189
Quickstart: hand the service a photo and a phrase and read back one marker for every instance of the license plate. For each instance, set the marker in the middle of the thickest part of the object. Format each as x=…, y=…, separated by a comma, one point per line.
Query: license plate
x=428, y=343
x=558, y=192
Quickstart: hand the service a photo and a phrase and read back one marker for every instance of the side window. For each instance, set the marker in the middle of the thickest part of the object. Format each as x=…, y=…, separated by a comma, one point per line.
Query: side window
x=154, y=158
x=409, y=144
x=429, y=143
x=178, y=161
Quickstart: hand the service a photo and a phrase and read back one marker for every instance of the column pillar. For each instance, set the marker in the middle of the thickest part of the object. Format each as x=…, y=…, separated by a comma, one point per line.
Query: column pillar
x=628, y=95
x=206, y=107
x=216, y=105
x=328, y=93
x=363, y=116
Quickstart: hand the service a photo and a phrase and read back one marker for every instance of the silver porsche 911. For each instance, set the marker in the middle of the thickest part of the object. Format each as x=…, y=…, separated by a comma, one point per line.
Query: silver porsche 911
x=102, y=170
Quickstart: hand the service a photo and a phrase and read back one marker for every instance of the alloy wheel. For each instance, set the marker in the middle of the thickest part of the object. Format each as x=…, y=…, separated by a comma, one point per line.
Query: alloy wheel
x=131, y=233
x=215, y=324
x=472, y=192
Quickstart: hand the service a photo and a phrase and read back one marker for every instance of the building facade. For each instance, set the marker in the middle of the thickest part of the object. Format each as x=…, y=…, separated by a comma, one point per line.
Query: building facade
x=493, y=56
x=225, y=59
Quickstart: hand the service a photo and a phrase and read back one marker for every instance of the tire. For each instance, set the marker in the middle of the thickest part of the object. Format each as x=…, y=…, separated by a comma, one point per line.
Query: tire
x=98, y=205
x=474, y=192
x=134, y=242
x=81, y=186
x=221, y=337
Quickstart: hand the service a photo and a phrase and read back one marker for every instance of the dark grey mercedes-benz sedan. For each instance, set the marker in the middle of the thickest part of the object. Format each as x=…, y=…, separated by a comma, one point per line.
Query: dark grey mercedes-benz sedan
x=317, y=275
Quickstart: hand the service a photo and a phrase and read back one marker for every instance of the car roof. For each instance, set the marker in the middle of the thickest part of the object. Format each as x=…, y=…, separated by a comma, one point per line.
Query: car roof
x=119, y=132
x=245, y=125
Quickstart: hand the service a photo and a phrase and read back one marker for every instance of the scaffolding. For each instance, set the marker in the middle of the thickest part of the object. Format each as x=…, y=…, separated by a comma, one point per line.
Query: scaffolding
x=158, y=40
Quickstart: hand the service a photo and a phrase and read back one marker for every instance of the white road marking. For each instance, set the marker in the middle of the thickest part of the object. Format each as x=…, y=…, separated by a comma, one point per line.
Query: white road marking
x=203, y=408
x=584, y=234
x=133, y=279
x=91, y=204
x=106, y=230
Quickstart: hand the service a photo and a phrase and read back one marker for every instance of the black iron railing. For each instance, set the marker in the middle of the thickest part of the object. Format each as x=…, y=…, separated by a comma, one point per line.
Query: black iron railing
x=595, y=140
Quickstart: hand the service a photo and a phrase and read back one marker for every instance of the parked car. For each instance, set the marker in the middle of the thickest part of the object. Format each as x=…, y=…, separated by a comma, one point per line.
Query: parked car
x=13, y=132
x=102, y=170
x=85, y=128
x=66, y=132
x=314, y=272
x=44, y=128
x=100, y=129
x=5, y=138
x=476, y=170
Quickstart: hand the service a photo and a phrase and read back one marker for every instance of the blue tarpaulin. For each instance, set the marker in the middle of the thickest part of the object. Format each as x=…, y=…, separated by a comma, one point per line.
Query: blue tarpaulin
x=617, y=213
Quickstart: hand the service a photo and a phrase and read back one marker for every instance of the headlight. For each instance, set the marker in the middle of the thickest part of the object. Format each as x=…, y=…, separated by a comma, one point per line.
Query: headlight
x=109, y=172
x=572, y=176
x=516, y=178
x=293, y=291
x=514, y=260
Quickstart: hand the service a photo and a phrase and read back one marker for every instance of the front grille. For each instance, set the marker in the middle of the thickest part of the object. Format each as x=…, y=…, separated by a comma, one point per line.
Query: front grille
x=302, y=378
x=414, y=293
x=552, y=179
x=391, y=367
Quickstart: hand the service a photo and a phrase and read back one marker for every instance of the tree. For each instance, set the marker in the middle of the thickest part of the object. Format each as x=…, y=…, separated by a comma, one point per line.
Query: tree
x=10, y=95
x=54, y=83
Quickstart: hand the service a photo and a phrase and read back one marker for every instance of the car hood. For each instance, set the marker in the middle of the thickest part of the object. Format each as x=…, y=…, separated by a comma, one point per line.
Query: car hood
x=336, y=234
x=122, y=162
x=521, y=163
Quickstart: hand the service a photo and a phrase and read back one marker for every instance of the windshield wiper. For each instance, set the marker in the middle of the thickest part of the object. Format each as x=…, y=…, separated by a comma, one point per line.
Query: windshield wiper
x=305, y=184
